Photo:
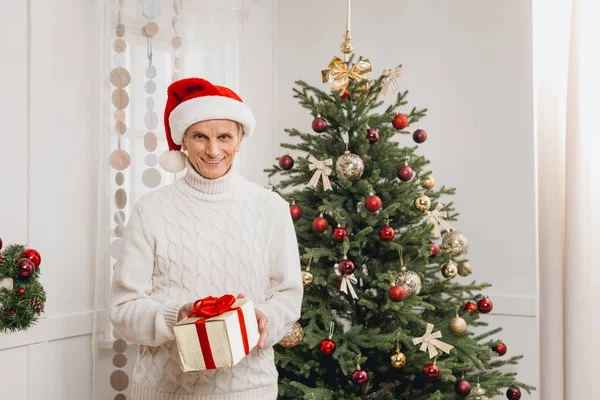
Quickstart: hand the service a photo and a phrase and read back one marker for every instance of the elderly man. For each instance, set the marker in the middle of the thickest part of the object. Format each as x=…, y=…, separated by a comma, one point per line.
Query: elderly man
x=210, y=233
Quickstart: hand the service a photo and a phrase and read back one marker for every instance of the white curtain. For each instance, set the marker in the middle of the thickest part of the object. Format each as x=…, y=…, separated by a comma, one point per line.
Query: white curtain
x=567, y=67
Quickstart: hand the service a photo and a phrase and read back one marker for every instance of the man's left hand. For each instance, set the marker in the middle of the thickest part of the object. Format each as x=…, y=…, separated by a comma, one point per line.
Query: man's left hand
x=262, y=320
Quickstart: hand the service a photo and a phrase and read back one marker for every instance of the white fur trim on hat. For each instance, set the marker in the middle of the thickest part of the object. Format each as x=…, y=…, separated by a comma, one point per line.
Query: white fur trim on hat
x=172, y=161
x=206, y=108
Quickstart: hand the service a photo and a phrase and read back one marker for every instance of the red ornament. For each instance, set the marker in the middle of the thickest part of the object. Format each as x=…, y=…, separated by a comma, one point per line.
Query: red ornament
x=469, y=306
x=9, y=312
x=485, y=305
x=361, y=377
x=397, y=293
x=431, y=371
x=286, y=162
x=405, y=173
x=373, y=203
x=500, y=348
x=419, y=136
x=434, y=250
x=513, y=394
x=463, y=388
x=0, y=243
x=327, y=347
x=319, y=125
x=346, y=267
x=320, y=224
x=25, y=267
x=296, y=212
x=387, y=233
x=20, y=291
x=372, y=135
x=33, y=256
x=339, y=234
x=400, y=121
x=345, y=94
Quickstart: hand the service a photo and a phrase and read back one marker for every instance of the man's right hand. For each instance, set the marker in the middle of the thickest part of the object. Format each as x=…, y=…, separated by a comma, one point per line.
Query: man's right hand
x=185, y=310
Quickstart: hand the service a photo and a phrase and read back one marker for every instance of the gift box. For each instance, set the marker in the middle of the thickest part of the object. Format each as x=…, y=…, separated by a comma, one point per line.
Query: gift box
x=219, y=333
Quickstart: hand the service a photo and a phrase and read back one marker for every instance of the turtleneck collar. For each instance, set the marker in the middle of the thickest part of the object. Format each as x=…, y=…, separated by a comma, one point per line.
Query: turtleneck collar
x=220, y=189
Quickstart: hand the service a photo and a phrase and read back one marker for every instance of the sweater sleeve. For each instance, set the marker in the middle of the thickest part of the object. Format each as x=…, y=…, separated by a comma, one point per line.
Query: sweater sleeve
x=284, y=299
x=139, y=318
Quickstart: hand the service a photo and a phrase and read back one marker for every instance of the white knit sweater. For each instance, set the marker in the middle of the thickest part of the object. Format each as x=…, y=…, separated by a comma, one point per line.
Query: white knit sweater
x=198, y=238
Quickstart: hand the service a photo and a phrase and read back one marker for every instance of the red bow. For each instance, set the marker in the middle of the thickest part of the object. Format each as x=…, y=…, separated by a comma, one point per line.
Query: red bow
x=211, y=306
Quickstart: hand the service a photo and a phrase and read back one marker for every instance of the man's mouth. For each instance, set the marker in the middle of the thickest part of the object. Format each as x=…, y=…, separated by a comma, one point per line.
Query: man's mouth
x=213, y=162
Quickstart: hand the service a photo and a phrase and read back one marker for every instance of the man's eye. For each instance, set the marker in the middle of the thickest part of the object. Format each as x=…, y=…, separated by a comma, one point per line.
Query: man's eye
x=225, y=136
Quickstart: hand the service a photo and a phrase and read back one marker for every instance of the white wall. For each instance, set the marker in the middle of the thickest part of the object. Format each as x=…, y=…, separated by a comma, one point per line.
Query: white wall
x=470, y=64
x=49, y=107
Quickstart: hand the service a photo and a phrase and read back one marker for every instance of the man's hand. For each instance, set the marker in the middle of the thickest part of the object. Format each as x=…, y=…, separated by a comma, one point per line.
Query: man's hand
x=262, y=320
x=185, y=310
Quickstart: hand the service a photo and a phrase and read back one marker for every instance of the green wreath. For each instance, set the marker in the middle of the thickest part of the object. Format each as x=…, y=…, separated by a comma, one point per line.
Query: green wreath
x=22, y=296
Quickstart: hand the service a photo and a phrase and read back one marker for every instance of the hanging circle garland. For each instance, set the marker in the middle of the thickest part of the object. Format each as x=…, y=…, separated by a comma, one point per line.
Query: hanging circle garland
x=22, y=296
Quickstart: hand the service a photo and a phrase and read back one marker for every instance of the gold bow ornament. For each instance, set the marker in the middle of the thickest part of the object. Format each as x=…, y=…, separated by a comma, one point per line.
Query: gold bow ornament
x=429, y=341
x=436, y=218
x=390, y=79
x=321, y=170
x=347, y=282
x=339, y=74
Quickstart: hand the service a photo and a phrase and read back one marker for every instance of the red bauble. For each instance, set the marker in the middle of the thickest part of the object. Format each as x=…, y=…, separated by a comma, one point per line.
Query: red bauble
x=345, y=94
x=361, y=377
x=386, y=233
x=319, y=224
x=296, y=212
x=397, y=293
x=431, y=371
x=463, y=388
x=346, y=267
x=25, y=267
x=500, y=348
x=434, y=250
x=0, y=243
x=400, y=121
x=513, y=394
x=286, y=162
x=327, y=346
x=372, y=135
x=33, y=256
x=485, y=305
x=339, y=234
x=20, y=291
x=373, y=203
x=419, y=136
x=469, y=306
x=319, y=125
x=405, y=173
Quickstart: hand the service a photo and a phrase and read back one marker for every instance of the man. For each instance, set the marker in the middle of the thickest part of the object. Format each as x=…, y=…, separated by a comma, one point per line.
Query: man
x=208, y=234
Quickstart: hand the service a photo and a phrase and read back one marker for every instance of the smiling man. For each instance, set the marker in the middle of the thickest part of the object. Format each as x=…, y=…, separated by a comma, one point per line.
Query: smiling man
x=210, y=233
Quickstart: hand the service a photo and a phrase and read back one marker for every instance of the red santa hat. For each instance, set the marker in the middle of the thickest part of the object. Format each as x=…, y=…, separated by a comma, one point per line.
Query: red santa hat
x=193, y=100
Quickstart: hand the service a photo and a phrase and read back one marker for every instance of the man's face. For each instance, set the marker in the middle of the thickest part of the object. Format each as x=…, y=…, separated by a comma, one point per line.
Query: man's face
x=212, y=145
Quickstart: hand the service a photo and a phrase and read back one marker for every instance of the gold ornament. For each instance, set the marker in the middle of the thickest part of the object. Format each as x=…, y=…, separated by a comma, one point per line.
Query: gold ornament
x=350, y=165
x=398, y=359
x=339, y=74
x=307, y=277
x=390, y=76
x=38, y=305
x=478, y=394
x=346, y=47
x=293, y=337
x=423, y=202
x=429, y=342
x=449, y=270
x=458, y=325
x=428, y=182
x=409, y=280
x=465, y=269
x=454, y=243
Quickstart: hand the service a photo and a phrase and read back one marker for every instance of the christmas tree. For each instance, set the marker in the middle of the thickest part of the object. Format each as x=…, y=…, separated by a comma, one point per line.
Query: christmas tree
x=383, y=316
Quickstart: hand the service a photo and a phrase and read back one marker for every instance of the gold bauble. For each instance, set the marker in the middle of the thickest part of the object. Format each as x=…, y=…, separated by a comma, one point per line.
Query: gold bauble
x=350, y=165
x=307, y=278
x=465, y=269
x=398, y=359
x=449, y=270
x=422, y=203
x=478, y=394
x=454, y=243
x=428, y=182
x=410, y=281
x=458, y=325
x=293, y=337
x=346, y=47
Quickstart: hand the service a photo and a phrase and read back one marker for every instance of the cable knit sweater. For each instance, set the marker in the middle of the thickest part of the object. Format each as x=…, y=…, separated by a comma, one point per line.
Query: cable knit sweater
x=198, y=238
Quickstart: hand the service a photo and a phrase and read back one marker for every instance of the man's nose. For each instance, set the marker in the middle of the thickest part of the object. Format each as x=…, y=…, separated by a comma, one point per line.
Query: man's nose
x=213, y=149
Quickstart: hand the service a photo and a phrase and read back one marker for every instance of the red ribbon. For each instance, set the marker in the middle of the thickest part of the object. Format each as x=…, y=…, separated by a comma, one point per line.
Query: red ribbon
x=209, y=307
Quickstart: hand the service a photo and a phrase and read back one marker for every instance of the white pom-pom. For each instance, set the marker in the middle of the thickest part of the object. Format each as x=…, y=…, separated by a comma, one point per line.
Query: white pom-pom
x=172, y=161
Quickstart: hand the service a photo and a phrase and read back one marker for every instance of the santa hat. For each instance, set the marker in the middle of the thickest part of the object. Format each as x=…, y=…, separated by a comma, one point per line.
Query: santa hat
x=193, y=100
